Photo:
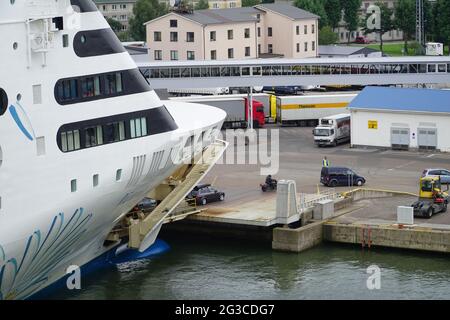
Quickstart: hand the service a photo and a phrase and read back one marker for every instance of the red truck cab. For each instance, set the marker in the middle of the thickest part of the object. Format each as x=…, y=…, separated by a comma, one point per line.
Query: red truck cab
x=259, y=118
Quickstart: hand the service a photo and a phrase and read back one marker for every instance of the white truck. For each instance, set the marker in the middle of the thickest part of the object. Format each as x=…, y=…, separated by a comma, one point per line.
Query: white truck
x=332, y=130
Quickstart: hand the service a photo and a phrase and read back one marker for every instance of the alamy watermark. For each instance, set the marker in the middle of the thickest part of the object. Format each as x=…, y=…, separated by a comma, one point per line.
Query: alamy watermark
x=245, y=147
x=73, y=281
x=374, y=19
x=374, y=280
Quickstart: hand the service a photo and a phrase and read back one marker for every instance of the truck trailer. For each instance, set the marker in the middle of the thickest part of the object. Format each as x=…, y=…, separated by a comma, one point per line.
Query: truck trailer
x=236, y=108
x=332, y=130
x=306, y=110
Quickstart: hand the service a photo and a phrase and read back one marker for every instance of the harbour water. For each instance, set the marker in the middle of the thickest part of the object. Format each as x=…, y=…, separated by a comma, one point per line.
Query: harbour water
x=205, y=269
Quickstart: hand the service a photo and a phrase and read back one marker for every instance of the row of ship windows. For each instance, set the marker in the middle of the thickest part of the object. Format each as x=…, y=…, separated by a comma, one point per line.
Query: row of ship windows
x=100, y=86
x=95, y=180
x=71, y=140
x=93, y=86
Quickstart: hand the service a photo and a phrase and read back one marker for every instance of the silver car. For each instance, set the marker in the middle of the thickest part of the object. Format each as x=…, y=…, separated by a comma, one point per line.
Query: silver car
x=443, y=173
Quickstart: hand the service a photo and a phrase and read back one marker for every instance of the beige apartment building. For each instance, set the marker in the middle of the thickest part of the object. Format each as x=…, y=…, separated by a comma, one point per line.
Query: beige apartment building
x=213, y=4
x=264, y=30
x=120, y=10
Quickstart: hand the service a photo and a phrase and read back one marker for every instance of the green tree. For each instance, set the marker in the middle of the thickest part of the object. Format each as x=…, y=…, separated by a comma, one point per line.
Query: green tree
x=405, y=20
x=386, y=24
x=351, y=15
x=202, y=4
x=114, y=24
x=250, y=3
x=144, y=11
x=333, y=10
x=327, y=36
x=442, y=19
x=316, y=7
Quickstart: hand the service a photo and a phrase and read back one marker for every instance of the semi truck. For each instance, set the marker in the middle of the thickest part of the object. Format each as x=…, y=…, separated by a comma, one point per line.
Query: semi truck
x=332, y=130
x=237, y=109
x=306, y=110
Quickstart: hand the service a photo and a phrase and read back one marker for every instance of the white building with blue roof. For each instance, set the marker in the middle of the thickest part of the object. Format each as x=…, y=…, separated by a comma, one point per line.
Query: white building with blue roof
x=400, y=118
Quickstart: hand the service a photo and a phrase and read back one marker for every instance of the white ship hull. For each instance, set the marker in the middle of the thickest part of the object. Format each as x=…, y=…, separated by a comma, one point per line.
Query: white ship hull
x=47, y=222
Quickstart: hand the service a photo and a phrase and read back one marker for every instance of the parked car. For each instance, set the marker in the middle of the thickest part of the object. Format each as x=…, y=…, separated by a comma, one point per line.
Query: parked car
x=146, y=204
x=443, y=173
x=362, y=40
x=204, y=194
x=340, y=176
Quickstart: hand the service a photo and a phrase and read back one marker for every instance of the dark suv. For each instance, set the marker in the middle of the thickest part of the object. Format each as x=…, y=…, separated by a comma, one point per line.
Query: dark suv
x=340, y=176
x=204, y=194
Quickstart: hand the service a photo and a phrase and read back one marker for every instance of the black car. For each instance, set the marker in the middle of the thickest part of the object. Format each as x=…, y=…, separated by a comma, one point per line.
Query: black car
x=146, y=204
x=340, y=176
x=204, y=194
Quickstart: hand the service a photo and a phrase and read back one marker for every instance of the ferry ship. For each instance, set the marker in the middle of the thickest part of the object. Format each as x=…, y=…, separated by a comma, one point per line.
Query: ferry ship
x=83, y=138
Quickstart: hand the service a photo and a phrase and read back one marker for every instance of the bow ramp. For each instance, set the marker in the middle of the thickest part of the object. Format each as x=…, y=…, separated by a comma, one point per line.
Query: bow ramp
x=144, y=230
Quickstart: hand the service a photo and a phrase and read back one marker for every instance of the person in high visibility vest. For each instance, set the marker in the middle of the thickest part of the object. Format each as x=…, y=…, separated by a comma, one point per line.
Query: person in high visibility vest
x=325, y=162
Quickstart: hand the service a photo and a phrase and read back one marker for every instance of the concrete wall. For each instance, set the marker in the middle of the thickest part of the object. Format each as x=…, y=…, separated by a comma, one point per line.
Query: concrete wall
x=417, y=239
x=381, y=137
x=297, y=240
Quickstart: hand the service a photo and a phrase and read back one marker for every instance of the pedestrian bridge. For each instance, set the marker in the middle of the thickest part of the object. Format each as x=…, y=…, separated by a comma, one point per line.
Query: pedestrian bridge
x=299, y=72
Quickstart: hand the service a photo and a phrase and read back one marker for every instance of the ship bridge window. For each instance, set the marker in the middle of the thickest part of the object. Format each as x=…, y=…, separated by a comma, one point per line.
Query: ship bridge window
x=3, y=101
x=113, y=83
x=94, y=136
x=100, y=86
x=70, y=140
x=90, y=87
x=114, y=132
x=83, y=5
x=138, y=127
x=96, y=43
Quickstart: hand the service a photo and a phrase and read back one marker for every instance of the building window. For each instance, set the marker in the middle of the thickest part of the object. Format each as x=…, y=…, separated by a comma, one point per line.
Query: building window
x=313, y=28
x=306, y=29
x=297, y=30
x=123, y=6
x=104, y=8
x=113, y=83
x=259, y=49
x=270, y=48
x=306, y=46
x=173, y=36
x=173, y=55
x=173, y=23
x=247, y=51
x=70, y=140
x=90, y=87
x=212, y=36
x=213, y=54
x=247, y=33
x=313, y=46
x=114, y=7
x=191, y=55
x=95, y=180
x=259, y=31
x=158, y=54
x=94, y=136
x=230, y=53
x=230, y=34
x=298, y=47
x=189, y=37
x=269, y=31
x=157, y=36
x=138, y=127
x=232, y=4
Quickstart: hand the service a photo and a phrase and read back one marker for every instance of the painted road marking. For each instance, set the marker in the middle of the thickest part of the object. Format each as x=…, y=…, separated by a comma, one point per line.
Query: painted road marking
x=402, y=165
